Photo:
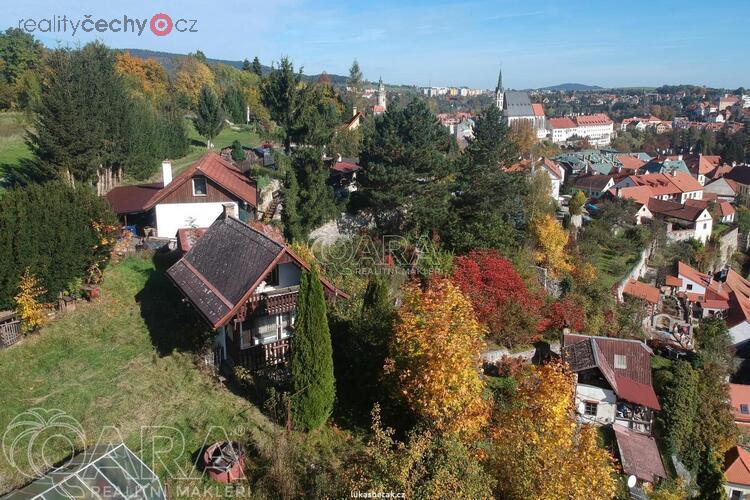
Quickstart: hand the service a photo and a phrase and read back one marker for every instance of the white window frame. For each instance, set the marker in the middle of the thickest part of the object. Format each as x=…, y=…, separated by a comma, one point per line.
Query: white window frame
x=620, y=362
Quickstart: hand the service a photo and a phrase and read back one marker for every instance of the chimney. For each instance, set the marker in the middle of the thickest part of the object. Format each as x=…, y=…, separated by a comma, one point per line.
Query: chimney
x=166, y=172
x=229, y=210
x=338, y=160
x=354, y=111
x=679, y=157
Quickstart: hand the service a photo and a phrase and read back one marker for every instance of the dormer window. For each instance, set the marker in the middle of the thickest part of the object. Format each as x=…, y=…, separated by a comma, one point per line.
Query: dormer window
x=200, y=187
x=621, y=361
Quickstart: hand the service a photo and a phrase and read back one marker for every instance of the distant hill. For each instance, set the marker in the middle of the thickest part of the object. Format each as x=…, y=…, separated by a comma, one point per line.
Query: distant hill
x=168, y=59
x=572, y=86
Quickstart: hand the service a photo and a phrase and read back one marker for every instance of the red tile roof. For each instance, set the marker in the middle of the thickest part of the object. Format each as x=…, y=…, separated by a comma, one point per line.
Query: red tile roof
x=345, y=167
x=563, y=122
x=639, y=454
x=553, y=167
x=737, y=466
x=642, y=291
x=595, y=119
x=132, y=199
x=675, y=183
x=632, y=383
x=219, y=170
x=724, y=207
x=739, y=298
x=630, y=162
x=538, y=109
x=739, y=394
x=673, y=281
x=639, y=194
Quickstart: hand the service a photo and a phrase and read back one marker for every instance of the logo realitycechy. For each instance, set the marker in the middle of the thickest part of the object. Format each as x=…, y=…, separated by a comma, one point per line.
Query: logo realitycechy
x=160, y=24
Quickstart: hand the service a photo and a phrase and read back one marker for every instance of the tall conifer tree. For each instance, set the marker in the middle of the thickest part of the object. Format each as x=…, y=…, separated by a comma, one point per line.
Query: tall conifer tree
x=312, y=356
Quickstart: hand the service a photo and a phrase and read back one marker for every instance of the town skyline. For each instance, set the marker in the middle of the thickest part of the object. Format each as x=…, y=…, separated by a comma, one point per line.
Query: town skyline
x=439, y=44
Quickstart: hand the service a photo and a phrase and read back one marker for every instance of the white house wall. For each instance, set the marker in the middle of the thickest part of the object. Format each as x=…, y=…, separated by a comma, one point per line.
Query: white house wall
x=606, y=404
x=740, y=333
x=173, y=216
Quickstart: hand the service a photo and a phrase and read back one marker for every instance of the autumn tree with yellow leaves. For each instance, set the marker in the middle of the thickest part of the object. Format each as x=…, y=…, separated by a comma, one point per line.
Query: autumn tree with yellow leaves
x=552, y=240
x=434, y=358
x=29, y=309
x=192, y=76
x=540, y=451
x=147, y=77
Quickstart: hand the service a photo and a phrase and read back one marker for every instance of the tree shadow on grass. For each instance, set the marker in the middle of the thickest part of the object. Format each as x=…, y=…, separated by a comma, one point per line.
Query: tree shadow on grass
x=172, y=323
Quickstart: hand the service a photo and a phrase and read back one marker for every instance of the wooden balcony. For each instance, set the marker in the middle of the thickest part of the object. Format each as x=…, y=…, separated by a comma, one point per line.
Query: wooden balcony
x=264, y=355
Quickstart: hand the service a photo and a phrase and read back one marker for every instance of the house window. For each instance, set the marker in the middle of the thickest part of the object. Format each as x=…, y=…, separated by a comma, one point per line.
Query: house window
x=744, y=410
x=200, y=187
x=273, y=278
x=689, y=286
x=736, y=495
x=705, y=225
x=589, y=409
x=621, y=361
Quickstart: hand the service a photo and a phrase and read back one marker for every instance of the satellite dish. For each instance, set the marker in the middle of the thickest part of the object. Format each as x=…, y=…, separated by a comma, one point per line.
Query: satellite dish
x=631, y=481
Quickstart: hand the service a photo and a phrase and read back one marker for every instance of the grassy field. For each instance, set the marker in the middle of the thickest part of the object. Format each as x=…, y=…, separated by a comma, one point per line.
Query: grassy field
x=613, y=265
x=117, y=362
x=12, y=138
x=198, y=147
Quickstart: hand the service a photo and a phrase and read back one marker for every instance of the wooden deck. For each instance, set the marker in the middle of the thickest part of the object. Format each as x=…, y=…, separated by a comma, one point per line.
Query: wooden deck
x=264, y=355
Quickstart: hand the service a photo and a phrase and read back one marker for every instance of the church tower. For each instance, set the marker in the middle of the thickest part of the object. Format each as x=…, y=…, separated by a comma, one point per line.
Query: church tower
x=381, y=94
x=499, y=92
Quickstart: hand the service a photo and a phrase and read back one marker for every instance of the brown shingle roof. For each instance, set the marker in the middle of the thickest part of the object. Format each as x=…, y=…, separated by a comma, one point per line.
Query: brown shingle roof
x=218, y=170
x=639, y=454
x=132, y=199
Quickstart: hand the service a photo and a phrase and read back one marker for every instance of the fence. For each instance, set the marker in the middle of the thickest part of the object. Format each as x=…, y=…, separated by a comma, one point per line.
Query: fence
x=10, y=333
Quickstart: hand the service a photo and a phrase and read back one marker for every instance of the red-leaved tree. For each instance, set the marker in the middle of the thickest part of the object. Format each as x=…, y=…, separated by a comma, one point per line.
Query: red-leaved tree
x=500, y=297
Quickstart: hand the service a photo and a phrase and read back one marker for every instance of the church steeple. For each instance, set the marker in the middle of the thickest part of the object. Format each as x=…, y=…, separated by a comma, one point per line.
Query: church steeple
x=499, y=91
x=381, y=94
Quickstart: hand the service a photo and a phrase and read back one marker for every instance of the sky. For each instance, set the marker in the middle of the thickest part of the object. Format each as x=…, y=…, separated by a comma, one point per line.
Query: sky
x=439, y=43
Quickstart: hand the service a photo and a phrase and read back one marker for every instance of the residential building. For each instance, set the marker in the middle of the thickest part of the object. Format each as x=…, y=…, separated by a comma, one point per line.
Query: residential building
x=554, y=170
x=195, y=198
x=727, y=101
x=639, y=456
x=739, y=395
x=613, y=381
x=598, y=129
x=244, y=282
x=724, y=188
x=594, y=186
x=737, y=473
x=741, y=177
x=677, y=186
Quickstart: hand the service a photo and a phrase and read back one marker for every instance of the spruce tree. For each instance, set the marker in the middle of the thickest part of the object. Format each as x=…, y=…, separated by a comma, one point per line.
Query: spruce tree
x=313, y=382
x=488, y=206
x=289, y=214
x=210, y=117
x=257, y=69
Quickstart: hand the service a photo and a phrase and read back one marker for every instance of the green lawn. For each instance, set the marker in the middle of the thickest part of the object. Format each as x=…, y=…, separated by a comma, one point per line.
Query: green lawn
x=198, y=148
x=613, y=265
x=112, y=363
x=12, y=138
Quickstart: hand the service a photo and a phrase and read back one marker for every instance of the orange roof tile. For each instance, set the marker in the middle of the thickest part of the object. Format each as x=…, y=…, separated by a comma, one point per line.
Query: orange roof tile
x=562, y=122
x=737, y=466
x=595, y=119
x=642, y=291
x=538, y=109
x=630, y=162
x=739, y=394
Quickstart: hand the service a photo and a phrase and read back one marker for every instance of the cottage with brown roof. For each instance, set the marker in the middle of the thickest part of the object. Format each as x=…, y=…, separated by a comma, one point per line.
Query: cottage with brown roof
x=195, y=198
x=244, y=282
x=613, y=383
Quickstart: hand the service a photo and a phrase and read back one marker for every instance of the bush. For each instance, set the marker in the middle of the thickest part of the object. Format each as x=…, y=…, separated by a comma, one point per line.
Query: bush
x=57, y=231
